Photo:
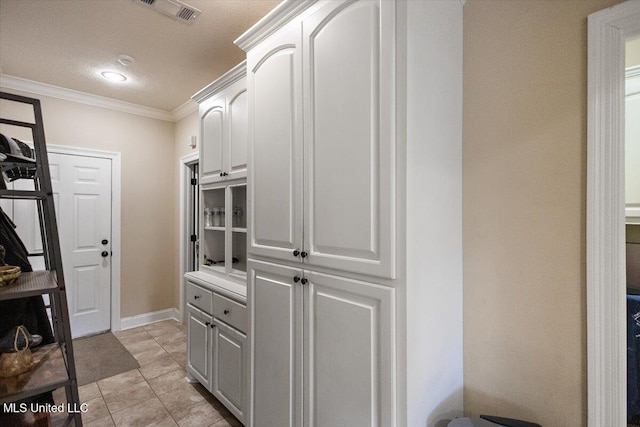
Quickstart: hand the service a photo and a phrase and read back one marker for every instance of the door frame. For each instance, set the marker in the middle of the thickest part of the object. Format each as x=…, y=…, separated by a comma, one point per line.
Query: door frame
x=185, y=207
x=606, y=288
x=116, y=219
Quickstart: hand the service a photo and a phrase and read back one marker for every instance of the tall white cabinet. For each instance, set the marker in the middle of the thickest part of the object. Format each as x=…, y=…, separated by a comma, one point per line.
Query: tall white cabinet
x=354, y=227
x=215, y=295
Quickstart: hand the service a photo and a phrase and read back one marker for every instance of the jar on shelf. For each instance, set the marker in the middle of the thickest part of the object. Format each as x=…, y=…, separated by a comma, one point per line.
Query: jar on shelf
x=221, y=216
x=208, y=220
x=237, y=216
x=215, y=217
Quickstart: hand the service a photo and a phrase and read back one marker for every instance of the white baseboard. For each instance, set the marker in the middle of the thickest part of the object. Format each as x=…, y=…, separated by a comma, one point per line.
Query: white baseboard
x=147, y=318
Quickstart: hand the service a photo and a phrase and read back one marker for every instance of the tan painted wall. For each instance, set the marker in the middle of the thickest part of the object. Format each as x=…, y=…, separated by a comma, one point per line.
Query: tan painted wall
x=632, y=53
x=183, y=131
x=149, y=247
x=525, y=121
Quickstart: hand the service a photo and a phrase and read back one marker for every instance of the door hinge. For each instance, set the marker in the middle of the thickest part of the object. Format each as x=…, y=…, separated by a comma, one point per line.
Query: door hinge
x=194, y=181
x=194, y=238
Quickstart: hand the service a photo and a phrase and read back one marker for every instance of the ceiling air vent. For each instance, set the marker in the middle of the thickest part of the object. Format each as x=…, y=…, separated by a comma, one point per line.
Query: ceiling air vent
x=173, y=8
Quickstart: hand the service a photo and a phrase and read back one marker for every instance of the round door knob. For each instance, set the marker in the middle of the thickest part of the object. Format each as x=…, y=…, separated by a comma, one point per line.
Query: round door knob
x=105, y=241
x=104, y=254
x=296, y=252
x=304, y=281
x=296, y=279
x=226, y=312
x=303, y=254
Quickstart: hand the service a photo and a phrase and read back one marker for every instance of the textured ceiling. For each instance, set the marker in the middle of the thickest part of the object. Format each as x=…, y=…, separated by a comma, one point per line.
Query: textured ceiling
x=68, y=43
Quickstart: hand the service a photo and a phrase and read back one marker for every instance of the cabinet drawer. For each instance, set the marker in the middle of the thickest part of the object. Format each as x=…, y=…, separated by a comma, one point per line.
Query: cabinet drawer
x=200, y=297
x=231, y=312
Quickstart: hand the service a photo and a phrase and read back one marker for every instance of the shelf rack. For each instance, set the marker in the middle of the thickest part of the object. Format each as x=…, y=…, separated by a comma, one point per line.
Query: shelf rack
x=55, y=366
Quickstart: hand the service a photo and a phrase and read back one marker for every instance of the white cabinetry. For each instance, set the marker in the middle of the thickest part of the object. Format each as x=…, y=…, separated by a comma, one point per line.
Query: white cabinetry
x=354, y=234
x=223, y=127
x=223, y=168
x=275, y=149
x=217, y=343
x=199, y=346
x=323, y=186
x=341, y=358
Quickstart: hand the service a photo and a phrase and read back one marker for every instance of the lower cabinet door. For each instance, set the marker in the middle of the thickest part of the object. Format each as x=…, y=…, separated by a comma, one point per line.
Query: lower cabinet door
x=199, y=346
x=348, y=352
x=274, y=302
x=230, y=369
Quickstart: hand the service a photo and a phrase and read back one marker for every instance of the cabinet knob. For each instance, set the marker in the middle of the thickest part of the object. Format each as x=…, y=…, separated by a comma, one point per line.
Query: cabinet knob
x=220, y=173
x=296, y=252
x=226, y=312
x=207, y=323
x=196, y=297
x=304, y=281
x=225, y=174
x=212, y=326
x=303, y=254
x=296, y=279
x=104, y=254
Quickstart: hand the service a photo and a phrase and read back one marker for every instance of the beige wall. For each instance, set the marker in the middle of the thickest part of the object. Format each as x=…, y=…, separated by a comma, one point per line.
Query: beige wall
x=632, y=53
x=525, y=108
x=149, y=247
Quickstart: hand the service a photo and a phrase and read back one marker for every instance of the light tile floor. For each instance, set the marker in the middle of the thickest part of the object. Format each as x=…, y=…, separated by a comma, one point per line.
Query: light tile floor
x=156, y=394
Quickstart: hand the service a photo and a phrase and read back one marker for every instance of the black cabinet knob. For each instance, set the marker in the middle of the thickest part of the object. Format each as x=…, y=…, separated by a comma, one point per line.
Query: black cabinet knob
x=303, y=254
x=296, y=279
x=213, y=326
x=196, y=297
x=105, y=241
x=104, y=254
x=207, y=323
x=304, y=281
x=296, y=252
x=225, y=174
x=220, y=173
x=226, y=312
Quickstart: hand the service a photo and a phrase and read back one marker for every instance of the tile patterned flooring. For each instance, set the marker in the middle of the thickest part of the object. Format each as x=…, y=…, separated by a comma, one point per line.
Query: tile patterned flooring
x=156, y=394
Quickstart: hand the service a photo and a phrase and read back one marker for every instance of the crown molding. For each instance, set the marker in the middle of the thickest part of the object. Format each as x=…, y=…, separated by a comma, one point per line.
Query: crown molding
x=25, y=85
x=274, y=20
x=226, y=80
x=184, y=110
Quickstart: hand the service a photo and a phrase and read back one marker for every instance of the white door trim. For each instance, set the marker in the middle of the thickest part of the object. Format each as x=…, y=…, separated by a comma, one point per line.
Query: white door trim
x=183, y=165
x=116, y=222
x=606, y=288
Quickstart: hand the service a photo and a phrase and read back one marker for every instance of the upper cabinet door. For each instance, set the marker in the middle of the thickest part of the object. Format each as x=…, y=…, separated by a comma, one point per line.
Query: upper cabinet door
x=237, y=126
x=275, y=148
x=212, y=140
x=349, y=137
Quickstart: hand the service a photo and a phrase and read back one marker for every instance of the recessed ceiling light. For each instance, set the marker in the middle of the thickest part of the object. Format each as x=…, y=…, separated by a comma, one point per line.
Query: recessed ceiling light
x=113, y=76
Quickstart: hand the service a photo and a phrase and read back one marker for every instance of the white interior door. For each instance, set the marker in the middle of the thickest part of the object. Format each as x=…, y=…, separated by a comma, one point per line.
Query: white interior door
x=82, y=195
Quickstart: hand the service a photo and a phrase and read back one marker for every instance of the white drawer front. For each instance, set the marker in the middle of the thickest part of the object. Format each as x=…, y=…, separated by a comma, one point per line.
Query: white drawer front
x=200, y=297
x=231, y=312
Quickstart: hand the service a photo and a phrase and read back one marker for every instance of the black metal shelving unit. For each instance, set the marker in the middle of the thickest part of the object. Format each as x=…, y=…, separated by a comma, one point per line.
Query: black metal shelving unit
x=55, y=366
